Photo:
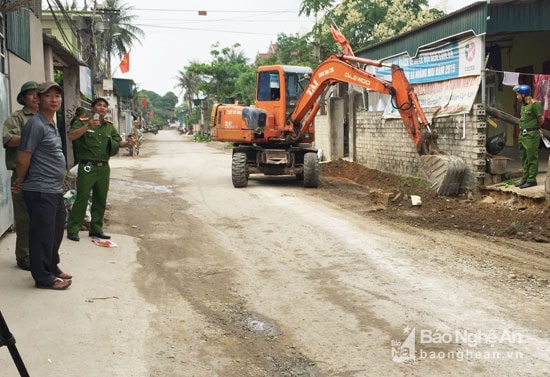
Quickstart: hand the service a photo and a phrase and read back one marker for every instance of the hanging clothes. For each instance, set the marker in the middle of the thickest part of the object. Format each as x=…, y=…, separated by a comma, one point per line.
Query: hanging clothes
x=510, y=78
x=541, y=92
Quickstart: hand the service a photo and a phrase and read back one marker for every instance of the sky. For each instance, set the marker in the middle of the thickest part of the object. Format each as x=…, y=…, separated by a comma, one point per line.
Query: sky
x=175, y=33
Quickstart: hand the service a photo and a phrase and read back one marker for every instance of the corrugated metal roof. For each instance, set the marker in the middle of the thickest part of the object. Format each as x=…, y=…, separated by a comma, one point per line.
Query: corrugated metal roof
x=519, y=16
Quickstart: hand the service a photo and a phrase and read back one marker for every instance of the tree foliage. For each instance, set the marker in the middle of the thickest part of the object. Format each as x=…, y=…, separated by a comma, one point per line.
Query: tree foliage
x=366, y=22
x=159, y=110
x=188, y=83
x=117, y=35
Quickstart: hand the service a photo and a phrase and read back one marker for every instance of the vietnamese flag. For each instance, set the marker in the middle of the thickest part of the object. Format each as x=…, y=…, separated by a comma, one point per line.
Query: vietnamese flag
x=125, y=63
x=339, y=37
x=144, y=103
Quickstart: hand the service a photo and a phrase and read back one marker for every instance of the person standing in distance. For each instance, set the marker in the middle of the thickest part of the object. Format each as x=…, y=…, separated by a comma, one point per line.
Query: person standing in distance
x=28, y=97
x=40, y=170
x=94, y=141
x=531, y=119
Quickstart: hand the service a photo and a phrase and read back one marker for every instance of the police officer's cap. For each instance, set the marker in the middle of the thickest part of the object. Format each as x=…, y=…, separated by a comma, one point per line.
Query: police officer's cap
x=29, y=85
x=79, y=111
x=99, y=99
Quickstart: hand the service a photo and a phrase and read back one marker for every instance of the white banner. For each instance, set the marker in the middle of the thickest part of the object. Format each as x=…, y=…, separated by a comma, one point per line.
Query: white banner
x=455, y=96
x=86, y=82
x=451, y=60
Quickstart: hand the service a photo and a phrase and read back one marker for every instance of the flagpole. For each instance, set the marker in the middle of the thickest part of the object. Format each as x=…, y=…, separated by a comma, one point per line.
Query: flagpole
x=112, y=74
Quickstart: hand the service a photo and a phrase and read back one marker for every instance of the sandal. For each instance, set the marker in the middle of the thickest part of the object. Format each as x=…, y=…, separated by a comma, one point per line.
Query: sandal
x=58, y=284
x=64, y=276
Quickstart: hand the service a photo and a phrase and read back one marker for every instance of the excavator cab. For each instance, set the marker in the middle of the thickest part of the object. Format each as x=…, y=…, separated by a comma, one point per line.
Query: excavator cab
x=278, y=91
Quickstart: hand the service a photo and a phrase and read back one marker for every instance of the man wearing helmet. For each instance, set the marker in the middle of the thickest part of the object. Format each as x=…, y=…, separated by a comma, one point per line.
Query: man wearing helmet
x=28, y=98
x=531, y=119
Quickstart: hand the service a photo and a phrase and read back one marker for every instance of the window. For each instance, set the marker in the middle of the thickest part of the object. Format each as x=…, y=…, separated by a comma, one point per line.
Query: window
x=268, y=86
x=18, y=33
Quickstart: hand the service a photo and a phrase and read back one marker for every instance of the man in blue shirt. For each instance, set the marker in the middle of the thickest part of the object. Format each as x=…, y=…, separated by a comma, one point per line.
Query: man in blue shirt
x=40, y=170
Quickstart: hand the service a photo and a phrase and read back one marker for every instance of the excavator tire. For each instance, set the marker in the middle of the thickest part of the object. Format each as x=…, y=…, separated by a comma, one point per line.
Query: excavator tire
x=311, y=170
x=239, y=174
x=445, y=172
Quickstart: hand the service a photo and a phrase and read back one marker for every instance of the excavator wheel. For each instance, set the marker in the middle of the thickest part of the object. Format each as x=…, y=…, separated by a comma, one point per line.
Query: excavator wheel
x=311, y=170
x=446, y=173
x=239, y=174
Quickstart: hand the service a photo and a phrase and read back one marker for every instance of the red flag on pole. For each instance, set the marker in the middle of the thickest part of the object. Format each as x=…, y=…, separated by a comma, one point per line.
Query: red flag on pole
x=144, y=103
x=339, y=37
x=125, y=63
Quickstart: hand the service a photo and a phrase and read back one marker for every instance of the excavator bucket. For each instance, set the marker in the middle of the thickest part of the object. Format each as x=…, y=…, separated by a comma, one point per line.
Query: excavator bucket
x=445, y=172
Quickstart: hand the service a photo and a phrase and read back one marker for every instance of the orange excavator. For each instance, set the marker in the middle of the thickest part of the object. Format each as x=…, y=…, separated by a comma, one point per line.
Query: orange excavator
x=275, y=137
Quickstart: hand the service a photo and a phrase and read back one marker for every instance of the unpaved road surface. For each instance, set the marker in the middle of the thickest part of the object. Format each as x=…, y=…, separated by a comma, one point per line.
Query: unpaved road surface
x=278, y=280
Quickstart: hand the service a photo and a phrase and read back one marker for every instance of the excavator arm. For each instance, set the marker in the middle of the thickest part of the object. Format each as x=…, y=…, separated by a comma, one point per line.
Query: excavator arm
x=345, y=68
x=446, y=172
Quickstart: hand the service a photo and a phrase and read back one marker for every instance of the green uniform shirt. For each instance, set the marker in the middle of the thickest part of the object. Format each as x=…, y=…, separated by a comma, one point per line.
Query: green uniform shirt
x=12, y=127
x=94, y=144
x=529, y=114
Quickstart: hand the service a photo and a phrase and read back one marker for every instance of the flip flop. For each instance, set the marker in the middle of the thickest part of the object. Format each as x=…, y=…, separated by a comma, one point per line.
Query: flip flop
x=64, y=276
x=58, y=284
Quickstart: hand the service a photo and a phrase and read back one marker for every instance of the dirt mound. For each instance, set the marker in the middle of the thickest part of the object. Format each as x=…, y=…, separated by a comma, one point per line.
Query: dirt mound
x=389, y=197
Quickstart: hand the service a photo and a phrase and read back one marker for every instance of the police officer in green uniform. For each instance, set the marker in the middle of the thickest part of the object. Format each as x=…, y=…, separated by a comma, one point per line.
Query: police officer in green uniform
x=94, y=139
x=530, y=121
x=28, y=97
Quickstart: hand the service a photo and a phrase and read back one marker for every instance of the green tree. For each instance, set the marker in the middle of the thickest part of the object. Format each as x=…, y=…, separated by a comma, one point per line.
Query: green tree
x=189, y=82
x=117, y=34
x=221, y=77
x=161, y=107
x=365, y=22
x=404, y=15
x=291, y=50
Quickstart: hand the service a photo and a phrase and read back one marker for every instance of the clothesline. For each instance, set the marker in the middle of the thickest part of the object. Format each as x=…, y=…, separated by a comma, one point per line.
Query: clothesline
x=521, y=73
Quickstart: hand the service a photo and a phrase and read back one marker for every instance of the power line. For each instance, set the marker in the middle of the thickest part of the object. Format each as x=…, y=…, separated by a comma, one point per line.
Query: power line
x=212, y=11
x=200, y=29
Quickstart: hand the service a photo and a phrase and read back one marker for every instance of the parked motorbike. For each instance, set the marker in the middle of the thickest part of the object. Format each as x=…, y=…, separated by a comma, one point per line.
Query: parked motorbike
x=151, y=128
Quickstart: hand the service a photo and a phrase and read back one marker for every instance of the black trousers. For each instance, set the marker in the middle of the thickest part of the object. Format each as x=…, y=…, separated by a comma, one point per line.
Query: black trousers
x=47, y=214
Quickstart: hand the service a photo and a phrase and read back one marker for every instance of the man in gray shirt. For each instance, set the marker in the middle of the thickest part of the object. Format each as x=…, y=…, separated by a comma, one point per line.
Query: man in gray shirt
x=40, y=170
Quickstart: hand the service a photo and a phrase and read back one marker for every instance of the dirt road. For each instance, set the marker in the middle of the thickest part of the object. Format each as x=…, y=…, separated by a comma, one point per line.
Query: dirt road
x=277, y=280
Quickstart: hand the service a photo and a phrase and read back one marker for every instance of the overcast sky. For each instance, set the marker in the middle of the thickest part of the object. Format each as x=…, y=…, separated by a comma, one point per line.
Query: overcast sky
x=176, y=34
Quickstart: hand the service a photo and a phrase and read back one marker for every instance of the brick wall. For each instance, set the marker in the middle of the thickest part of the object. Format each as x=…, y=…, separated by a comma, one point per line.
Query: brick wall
x=384, y=144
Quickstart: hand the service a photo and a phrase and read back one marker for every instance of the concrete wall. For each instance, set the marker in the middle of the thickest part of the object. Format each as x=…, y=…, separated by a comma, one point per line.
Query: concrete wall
x=19, y=72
